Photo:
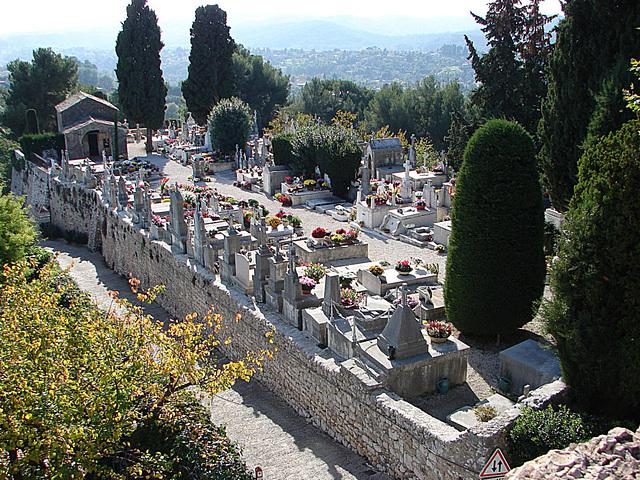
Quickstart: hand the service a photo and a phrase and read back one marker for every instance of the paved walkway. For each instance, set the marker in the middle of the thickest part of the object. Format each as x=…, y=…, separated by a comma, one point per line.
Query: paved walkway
x=381, y=247
x=272, y=435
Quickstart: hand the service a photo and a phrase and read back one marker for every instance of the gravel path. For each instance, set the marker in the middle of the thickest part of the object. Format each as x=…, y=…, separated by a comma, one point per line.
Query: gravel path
x=272, y=435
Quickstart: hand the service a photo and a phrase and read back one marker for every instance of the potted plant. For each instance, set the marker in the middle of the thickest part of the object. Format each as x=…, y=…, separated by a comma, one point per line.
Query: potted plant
x=310, y=184
x=376, y=270
x=438, y=331
x=315, y=271
x=307, y=284
x=319, y=234
x=403, y=267
x=349, y=298
x=420, y=204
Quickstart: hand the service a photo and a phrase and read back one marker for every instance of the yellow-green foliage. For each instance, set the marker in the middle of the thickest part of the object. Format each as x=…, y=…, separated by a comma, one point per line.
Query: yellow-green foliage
x=76, y=383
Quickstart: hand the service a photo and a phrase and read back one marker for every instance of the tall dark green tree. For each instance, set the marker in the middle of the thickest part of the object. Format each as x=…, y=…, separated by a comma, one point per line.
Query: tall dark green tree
x=593, y=314
x=511, y=73
x=210, y=62
x=587, y=73
x=263, y=87
x=39, y=85
x=495, y=265
x=141, y=88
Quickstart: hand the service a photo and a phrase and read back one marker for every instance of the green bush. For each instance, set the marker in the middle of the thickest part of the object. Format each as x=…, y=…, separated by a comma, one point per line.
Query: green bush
x=282, y=148
x=181, y=439
x=535, y=432
x=38, y=143
x=230, y=124
x=593, y=315
x=495, y=264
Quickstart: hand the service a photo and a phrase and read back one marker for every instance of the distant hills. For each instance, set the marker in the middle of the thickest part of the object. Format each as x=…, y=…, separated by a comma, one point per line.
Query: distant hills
x=394, y=33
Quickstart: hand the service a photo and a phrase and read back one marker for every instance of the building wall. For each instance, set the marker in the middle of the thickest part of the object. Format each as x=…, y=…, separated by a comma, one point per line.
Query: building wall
x=335, y=395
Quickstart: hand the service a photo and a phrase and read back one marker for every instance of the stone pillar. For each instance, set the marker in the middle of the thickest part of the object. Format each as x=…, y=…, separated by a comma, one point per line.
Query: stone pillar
x=199, y=237
x=262, y=264
x=228, y=259
x=331, y=293
x=123, y=196
x=177, y=225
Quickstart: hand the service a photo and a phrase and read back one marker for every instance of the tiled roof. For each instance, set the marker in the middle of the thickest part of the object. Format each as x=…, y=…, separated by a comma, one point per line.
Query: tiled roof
x=385, y=143
x=78, y=97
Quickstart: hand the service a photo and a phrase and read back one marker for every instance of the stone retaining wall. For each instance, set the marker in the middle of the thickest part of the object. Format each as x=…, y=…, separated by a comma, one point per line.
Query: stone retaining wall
x=335, y=395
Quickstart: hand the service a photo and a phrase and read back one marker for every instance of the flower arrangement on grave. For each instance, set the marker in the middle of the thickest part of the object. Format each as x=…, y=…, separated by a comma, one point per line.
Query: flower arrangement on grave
x=376, y=270
x=307, y=283
x=319, y=232
x=246, y=185
x=412, y=302
x=157, y=221
x=439, y=248
x=310, y=183
x=273, y=222
x=325, y=186
x=315, y=271
x=433, y=267
x=420, y=203
x=351, y=235
x=380, y=199
x=288, y=180
x=337, y=238
x=295, y=221
x=346, y=279
x=253, y=202
x=349, y=297
x=285, y=201
x=437, y=328
x=403, y=266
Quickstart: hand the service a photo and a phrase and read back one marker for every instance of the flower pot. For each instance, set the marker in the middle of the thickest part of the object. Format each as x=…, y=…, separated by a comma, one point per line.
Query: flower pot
x=438, y=339
x=504, y=384
x=404, y=274
x=306, y=292
x=443, y=385
x=420, y=207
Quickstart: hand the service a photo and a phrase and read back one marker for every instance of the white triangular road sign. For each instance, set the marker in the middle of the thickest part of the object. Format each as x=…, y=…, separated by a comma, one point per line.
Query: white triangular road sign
x=496, y=467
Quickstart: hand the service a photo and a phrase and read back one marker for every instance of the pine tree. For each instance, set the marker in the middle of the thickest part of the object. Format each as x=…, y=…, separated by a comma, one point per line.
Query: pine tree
x=511, y=73
x=39, y=85
x=587, y=73
x=141, y=88
x=210, y=64
x=495, y=265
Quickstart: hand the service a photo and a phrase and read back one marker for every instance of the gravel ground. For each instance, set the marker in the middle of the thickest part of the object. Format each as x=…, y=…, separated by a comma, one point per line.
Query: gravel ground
x=484, y=363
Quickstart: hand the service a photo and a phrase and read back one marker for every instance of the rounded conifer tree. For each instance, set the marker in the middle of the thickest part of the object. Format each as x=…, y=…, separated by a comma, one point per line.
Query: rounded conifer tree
x=594, y=314
x=495, y=265
x=230, y=124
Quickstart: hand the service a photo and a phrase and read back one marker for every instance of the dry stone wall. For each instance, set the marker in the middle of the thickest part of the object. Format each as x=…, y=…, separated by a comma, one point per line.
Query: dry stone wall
x=335, y=395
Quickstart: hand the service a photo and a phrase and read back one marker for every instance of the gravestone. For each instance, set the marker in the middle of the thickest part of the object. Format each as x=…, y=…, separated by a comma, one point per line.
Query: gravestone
x=177, y=225
x=403, y=333
x=262, y=263
x=231, y=247
x=331, y=300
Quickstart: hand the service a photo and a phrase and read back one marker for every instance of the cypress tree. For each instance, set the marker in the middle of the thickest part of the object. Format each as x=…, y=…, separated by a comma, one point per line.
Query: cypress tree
x=593, y=315
x=495, y=265
x=587, y=73
x=141, y=88
x=210, y=62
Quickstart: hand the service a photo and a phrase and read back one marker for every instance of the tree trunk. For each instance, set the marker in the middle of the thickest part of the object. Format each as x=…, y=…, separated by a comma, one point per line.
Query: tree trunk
x=149, y=140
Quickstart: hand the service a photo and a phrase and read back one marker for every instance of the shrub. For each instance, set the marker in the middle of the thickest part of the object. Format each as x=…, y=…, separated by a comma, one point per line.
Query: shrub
x=282, y=148
x=485, y=412
x=39, y=142
x=535, y=432
x=595, y=280
x=230, y=124
x=273, y=222
x=505, y=244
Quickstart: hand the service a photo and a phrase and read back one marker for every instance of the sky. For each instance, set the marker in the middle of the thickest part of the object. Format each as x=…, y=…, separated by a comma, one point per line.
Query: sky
x=22, y=16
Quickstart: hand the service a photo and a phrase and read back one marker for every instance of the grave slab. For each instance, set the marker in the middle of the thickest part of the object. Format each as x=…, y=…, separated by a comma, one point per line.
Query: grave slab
x=465, y=418
x=528, y=363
